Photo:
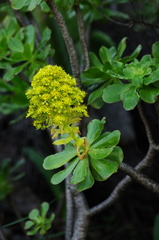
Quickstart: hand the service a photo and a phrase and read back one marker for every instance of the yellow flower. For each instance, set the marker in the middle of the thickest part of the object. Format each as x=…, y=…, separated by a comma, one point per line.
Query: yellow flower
x=55, y=101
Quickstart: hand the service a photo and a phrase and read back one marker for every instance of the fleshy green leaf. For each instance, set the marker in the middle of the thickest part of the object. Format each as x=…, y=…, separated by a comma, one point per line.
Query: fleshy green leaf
x=133, y=55
x=104, y=167
x=149, y=94
x=44, y=209
x=107, y=139
x=121, y=47
x=116, y=155
x=28, y=224
x=15, y=45
x=33, y=4
x=60, y=176
x=30, y=36
x=99, y=153
x=16, y=4
x=80, y=172
x=94, y=129
x=33, y=215
x=58, y=159
x=96, y=175
x=97, y=103
x=131, y=99
x=95, y=72
x=153, y=77
x=112, y=93
x=95, y=62
x=104, y=54
x=96, y=94
x=155, y=50
x=86, y=183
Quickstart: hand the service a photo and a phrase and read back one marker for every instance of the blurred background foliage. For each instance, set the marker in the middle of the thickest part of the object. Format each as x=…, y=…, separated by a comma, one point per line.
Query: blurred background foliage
x=30, y=40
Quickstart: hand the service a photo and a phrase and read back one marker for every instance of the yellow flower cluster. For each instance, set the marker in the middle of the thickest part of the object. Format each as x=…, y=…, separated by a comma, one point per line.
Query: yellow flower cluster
x=55, y=101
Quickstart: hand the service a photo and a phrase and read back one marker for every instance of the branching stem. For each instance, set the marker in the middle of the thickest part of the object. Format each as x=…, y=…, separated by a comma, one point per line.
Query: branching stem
x=67, y=38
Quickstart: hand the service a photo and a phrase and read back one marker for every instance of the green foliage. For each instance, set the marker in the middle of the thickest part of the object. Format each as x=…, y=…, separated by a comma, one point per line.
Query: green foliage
x=38, y=220
x=19, y=52
x=97, y=161
x=123, y=79
x=7, y=176
x=106, y=70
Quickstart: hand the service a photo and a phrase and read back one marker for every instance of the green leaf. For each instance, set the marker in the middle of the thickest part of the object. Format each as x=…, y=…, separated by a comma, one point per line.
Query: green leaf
x=60, y=176
x=27, y=54
x=121, y=47
x=112, y=93
x=15, y=45
x=96, y=94
x=80, y=172
x=116, y=74
x=33, y=4
x=155, y=50
x=95, y=62
x=30, y=36
x=12, y=27
x=129, y=71
x=4, y=65
x=116, y=155
x=131, y=99
x=95, y=72
x=104, y=167
x=44, y=53
x=99, y=153
x=96, y=175
x=97, y=103
x=94, y=129
x=65, y=4
x=137, y=81
x=33, y=215
x=46, y=35
x=86, y=183
x=149, y=94
x=133, y=55
x=44, y=209
x=16, y=4
x=12, y=72
x=107, y=139
x=153, y=77
x=44, y=7
x=28, y=224
x=59, y=159
x=104, y=54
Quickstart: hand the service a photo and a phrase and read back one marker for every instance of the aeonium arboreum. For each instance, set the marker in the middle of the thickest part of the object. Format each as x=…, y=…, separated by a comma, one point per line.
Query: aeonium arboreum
x=57, y=103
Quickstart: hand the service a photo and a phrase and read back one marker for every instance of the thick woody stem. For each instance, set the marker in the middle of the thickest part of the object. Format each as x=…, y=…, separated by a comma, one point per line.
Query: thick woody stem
x=68, y=40
x=81, y=215
x=82, y=36
x=69, y=209
x=146, y=124
x=140, y=178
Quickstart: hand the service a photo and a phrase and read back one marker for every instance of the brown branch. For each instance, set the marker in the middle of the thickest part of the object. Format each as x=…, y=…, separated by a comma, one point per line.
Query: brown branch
x=81, y=32
x=140, y=178
x=146, y=124
x=67, y=38
x=130, y=24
